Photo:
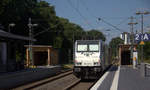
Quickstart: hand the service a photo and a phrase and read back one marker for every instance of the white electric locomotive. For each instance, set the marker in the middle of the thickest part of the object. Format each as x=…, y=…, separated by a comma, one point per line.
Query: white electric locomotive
x=89, y=58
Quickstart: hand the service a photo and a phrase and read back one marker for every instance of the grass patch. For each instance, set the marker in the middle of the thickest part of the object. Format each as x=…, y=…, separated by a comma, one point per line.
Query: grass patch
x=147, y=61
x=68, y=66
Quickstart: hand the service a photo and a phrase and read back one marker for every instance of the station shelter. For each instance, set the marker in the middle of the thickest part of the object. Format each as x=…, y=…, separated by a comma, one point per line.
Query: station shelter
x=125, y=54
x=42, y=55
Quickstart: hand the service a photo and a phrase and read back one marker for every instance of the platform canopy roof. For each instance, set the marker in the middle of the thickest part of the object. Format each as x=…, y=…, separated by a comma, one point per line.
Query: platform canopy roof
x=39, y=46
x=8, y=35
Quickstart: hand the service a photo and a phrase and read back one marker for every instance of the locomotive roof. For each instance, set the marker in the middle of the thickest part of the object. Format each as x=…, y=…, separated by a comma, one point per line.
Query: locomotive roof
x=88, y=41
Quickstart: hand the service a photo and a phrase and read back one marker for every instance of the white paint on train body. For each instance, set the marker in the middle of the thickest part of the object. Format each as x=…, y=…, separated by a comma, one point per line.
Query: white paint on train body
x=88, y=58
x=87, y=53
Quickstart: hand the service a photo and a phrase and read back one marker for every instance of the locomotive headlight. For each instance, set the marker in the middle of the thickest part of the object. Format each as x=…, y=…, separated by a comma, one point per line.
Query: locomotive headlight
x=96, y=63
x=78, y=63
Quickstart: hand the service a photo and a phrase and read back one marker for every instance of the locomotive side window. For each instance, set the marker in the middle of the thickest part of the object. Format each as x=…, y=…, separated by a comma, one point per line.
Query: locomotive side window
x=82, y=47
x=93, y=47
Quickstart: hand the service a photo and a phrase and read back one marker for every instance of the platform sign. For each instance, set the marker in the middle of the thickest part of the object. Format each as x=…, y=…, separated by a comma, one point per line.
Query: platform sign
x=142, y=37
x=142, y=43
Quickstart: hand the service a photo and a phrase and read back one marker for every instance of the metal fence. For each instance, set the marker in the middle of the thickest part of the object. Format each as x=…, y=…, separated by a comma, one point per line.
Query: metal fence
x=145, y=69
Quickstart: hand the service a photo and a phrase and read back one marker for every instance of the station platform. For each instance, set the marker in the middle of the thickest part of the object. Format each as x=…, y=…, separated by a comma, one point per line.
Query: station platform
x=13, y=79
x=122, y=78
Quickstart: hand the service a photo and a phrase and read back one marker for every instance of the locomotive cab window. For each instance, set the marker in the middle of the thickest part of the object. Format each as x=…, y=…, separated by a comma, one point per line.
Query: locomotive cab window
x=93, y=47
x=82, y=48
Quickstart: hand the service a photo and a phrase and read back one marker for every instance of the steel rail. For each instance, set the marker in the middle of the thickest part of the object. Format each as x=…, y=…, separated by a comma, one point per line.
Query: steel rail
x=43, y=81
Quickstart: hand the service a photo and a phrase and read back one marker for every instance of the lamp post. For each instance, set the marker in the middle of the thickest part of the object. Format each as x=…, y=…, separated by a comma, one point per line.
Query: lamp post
x=142, y=14
x=10, y=25
x=30, y=25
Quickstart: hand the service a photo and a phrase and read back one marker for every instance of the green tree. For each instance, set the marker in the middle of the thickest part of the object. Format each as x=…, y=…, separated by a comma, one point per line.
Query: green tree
x=146, y=51
x=114, y=45
x=95, y=34
x=56, y=31
x=71, y=31
x=18, y=12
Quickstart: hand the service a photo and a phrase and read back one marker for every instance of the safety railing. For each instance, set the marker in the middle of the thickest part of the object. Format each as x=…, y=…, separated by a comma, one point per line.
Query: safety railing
x=147, y=65
x=145, y=69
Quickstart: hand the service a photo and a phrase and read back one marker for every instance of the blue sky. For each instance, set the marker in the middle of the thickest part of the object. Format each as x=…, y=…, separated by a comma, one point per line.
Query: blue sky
x=117, y=12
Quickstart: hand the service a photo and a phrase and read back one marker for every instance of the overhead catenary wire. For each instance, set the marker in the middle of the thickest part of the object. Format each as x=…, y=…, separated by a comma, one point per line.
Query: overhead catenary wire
x=84, y=18
x=123, y=21
x=92, y=15
x=41, y=32
x=144, y=19
x=116, y=28
x=83, y=4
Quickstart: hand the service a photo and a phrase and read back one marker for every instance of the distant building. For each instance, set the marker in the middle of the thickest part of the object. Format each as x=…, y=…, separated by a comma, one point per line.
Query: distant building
x=9, y=44
x=126, y=37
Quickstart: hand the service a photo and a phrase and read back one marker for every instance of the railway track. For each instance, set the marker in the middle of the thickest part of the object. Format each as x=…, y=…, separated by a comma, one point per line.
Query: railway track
x=63, y=81
x=87, y=84
x=59, y=84
x=82, y=85
x=45, y=83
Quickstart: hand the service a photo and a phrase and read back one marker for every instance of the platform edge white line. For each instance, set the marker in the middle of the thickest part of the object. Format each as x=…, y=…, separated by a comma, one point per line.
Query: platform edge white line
x=114, y=85
x=99, y=82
